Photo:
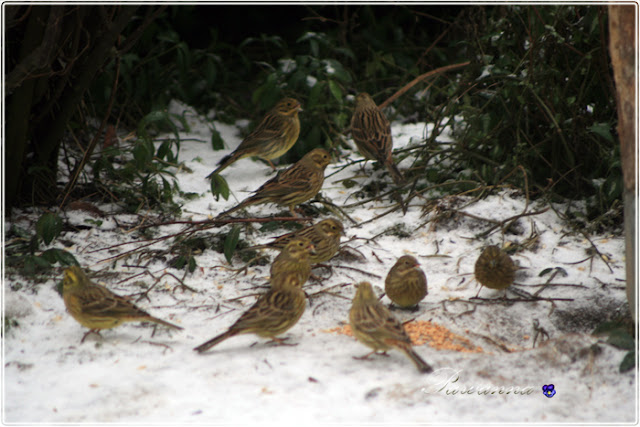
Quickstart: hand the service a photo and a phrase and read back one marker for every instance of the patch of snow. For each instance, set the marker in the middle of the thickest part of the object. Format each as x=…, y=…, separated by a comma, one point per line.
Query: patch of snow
x=132, y=376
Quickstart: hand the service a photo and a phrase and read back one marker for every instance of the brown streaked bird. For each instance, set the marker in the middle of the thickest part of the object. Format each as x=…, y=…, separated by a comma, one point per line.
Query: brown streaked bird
x=275, y=135
x=96, y=307
x=292, y=267
x=374, y=326
x=292, y=186
x=273, y=314
x=494, y=269
x=371, y=132
x=406, y=283
x=325, y=236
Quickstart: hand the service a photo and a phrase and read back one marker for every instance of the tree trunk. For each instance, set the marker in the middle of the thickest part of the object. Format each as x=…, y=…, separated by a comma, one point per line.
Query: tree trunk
x=622, y=46
x=46, y=80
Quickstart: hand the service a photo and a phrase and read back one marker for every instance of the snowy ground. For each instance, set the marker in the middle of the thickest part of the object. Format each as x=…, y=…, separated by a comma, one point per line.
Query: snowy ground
x=130, y=376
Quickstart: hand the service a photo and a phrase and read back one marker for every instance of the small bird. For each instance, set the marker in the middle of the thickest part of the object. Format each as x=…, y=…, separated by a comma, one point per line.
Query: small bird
x=372, y=134
x=374, y=326
x=96, y=307
x=292, y=186
x=275, y=135
x=494, y=268
x=292, y=265
x=273, y=314
x=325, y=236
x=406, y=283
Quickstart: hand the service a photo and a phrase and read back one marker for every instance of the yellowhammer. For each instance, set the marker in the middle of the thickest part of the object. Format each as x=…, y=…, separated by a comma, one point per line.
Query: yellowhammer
x=96, y=307
x=273, y=137
x=372, y=134
x=273, y=314
x=374, y=326
x=325, y=236
x=292, y=186
x=292, y=266
x=406, y=283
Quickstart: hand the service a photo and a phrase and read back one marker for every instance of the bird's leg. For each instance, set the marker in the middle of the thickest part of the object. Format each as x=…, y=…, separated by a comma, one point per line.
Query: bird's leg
x=319, y=278
x=478, y=292
x=365, y=357
x=91, y=331
x=281, y=341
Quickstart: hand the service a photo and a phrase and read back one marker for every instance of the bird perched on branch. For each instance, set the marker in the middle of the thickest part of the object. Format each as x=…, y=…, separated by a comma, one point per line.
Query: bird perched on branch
x=292, y=186
x=374, y=326
x=96, y=307
x=494, y=268
x=406, y=283
x=325, y=236
x=275, y=135
x=372, y=134
x=292, y=266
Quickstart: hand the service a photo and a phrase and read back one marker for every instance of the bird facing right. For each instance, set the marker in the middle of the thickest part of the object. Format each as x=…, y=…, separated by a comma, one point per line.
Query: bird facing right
x=406, y=283
x=272, y=314
x=275, y=135
x=292, y=186
x=374, y=326
x=494, y=268
x=372, y=134
x=325, y=236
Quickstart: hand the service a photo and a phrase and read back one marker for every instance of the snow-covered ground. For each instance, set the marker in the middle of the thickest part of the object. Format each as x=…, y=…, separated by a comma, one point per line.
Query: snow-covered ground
x=130, y=376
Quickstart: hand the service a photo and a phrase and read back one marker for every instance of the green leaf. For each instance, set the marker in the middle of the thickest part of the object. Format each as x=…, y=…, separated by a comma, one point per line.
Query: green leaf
x=183, y=121
x=231, y=242
x=29, y=267
x=163, y=150
x=621, y=339
x=210, y=71
x=219, y=187
x=545, y=271
x=561, y=271
x=49, y=256
x=179, y=262
x=49, y=227
x=192, y=264
x=335, y=90
x=59, y=287
x=613, y=188
x=66, y=258
x=61, y=256
x=142, y=153
x=335, y=69
x=216, y=140
x=152, y=117
x=349, y=183
x=155, y=117
x=314, y=96
x=628, y=362
x=169, y=36
x=270, y=226
x=603, y=130
x=267, y=94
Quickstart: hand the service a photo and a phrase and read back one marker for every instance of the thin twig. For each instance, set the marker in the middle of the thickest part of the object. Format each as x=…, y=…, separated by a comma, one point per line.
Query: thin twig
x=420, y=78
x=92, y=145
